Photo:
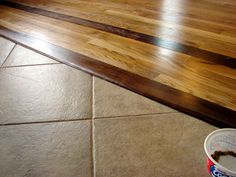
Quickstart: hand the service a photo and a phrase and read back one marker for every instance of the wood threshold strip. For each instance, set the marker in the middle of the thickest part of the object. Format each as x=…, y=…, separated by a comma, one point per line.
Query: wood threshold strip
x=185, y=102
x=171, y=45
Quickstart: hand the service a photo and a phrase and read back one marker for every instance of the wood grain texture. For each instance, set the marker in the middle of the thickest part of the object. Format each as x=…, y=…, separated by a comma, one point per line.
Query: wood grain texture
x=202, y=109
x=171, y=45
x=207, y=26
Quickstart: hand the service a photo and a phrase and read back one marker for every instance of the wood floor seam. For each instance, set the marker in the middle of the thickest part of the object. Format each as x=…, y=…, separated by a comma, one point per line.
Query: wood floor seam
x=114, y=88
x=182, y=101
x=171, y=45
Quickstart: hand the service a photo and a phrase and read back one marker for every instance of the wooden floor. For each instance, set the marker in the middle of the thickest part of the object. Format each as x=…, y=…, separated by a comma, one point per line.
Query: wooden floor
x=181, y=53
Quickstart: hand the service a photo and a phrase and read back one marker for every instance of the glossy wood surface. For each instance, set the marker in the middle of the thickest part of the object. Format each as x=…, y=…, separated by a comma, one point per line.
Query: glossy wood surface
x=202, y=24
x=172, y=45
x=209, y=79
x=185, y=102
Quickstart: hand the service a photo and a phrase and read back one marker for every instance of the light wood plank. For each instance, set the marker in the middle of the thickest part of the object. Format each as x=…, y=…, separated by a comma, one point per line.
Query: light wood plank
x=162, y=65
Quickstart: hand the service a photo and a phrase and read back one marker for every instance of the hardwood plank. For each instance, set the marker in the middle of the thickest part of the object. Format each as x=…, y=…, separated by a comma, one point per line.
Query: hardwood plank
x=202, y=109
x=203, y=34
x=207, y=80
x=170, y=10
x=194, y=51
x=218, y=11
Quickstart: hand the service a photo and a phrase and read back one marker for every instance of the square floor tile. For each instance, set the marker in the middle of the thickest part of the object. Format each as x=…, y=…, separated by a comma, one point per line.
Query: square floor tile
x=46, y=150
x=165, y=145
x=23, y=56
x=111, y=100
x=5, y=48
x=44, y=93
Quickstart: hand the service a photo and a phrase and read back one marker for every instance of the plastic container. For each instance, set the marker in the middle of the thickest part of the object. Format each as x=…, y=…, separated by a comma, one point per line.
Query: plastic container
x=220, y=140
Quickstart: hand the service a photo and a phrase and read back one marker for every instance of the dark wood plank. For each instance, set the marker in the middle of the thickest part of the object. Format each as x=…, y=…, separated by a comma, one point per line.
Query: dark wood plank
x=187, y=103
x=171, y=45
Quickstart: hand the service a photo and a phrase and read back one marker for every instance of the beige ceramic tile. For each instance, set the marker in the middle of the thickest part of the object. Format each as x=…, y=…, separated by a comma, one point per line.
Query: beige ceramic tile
x=22, y=56
x=5, y=48
x=44, y=93
x=111, y=100
x=46, y=150
x=163, y=145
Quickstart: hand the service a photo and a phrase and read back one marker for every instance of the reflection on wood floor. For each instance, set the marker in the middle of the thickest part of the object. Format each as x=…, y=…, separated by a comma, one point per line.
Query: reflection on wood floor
x=183, y=50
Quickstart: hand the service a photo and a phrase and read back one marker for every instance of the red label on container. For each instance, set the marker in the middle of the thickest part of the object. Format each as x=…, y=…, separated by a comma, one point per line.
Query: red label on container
x=209, y=164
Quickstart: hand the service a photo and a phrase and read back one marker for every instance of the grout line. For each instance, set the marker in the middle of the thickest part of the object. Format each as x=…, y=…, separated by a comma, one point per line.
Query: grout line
x=92, y=100
x=82, y=119
x=44, y=122
x=200, y=108
x=135, y=115
x=8, y=55
x=93, y=133
x=16, y=66
x=94, y=151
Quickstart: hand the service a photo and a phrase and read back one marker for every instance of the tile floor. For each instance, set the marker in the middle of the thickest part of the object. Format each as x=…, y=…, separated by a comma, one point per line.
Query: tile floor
x=56, y=121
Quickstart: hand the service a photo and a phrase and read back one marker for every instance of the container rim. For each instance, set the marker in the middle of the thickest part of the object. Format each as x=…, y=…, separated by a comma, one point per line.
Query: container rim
x=209, y=155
